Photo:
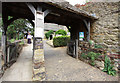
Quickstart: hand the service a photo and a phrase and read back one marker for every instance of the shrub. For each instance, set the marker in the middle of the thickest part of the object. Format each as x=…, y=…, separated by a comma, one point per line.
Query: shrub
x=92, y=56
x=21, y=36
x=108, y=67
x=98, y=46
x=91, y=42
x=83, y=55
x=60, y=41
x=47, y=35
x=61, y=32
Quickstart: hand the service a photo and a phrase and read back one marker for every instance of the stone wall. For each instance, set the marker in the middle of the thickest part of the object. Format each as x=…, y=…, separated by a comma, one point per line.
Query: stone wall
x=38, y=61
x=105, y=30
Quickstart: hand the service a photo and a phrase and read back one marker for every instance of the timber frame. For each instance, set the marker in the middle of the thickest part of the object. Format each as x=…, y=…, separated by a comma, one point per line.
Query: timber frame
x=61, y=13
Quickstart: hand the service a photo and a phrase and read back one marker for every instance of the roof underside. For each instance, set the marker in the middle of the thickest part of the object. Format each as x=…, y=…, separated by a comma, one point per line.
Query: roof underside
x=62, y=13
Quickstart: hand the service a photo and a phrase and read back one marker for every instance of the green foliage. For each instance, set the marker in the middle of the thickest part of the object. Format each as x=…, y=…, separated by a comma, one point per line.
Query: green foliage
x=12, y=40
x=83, y=55
x=18, y=27
x=98, y=46
x=61, y=32
x=0, y=35
x=92, y=56
x=60, y=41
x=90, y=42
x=47, y=35
x=21, y=43
x=108, y=67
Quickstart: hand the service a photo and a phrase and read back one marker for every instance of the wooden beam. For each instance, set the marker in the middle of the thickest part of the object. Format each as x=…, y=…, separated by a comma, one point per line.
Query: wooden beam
x=31, y=7
x=85, y=22
x=39, y=8
x=88, y=29
x=46, y=12
x=88, y=35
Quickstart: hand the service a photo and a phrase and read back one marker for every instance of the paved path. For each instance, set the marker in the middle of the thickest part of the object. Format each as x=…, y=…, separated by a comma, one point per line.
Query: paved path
x=22, y=69
x=62, y=67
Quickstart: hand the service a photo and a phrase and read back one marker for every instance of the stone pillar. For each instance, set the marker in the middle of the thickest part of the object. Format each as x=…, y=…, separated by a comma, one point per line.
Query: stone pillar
x=39, y=68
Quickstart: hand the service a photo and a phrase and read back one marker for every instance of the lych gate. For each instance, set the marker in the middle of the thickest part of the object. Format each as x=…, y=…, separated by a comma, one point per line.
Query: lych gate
x=61, y=13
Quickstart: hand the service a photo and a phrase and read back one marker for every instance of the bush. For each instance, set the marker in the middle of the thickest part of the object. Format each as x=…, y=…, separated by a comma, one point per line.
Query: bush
x=21, y=36
x=108, y=67
x=47, y=35
x=83, y=55
x=92, y=56
x=61, y=32
x=61, y=41
x=98, y=46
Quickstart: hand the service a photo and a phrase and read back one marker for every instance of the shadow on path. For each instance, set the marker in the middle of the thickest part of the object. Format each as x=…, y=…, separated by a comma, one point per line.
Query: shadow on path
x=21, y=70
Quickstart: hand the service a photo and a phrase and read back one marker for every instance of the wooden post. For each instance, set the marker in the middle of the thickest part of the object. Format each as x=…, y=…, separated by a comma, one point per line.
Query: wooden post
x=76, y=48
x=4, y=38
x=88, y=29
x=88, y=33
x=8, y=55
x=74, y=51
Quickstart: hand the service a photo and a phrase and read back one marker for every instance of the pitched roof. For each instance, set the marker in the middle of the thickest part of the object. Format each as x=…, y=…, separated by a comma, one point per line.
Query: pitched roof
x=64, y=5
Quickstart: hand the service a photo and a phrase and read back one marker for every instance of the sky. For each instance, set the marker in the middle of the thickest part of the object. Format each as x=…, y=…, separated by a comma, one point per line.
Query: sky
x=73, y=2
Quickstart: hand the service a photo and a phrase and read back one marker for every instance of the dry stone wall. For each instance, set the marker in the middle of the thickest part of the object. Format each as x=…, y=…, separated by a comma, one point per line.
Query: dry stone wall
x=105, y=30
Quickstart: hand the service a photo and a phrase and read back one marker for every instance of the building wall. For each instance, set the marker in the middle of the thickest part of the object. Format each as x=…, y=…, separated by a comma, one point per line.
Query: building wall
x=54, y=27
x=105, y=30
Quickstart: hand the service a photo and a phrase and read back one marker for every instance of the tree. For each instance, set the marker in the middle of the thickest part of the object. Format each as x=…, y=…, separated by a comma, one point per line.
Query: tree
x=47, y=35
x=18, y=28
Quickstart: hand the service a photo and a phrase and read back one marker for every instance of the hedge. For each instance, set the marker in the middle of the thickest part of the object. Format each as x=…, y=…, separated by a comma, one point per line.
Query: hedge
x=61, y=41
x=61, y=32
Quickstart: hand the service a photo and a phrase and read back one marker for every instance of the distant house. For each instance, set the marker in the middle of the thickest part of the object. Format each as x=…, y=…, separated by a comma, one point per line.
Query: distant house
x=54, y=27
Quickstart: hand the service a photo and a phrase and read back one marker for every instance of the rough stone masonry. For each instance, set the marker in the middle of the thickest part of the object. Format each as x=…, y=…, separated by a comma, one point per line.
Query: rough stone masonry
x=105, y=30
